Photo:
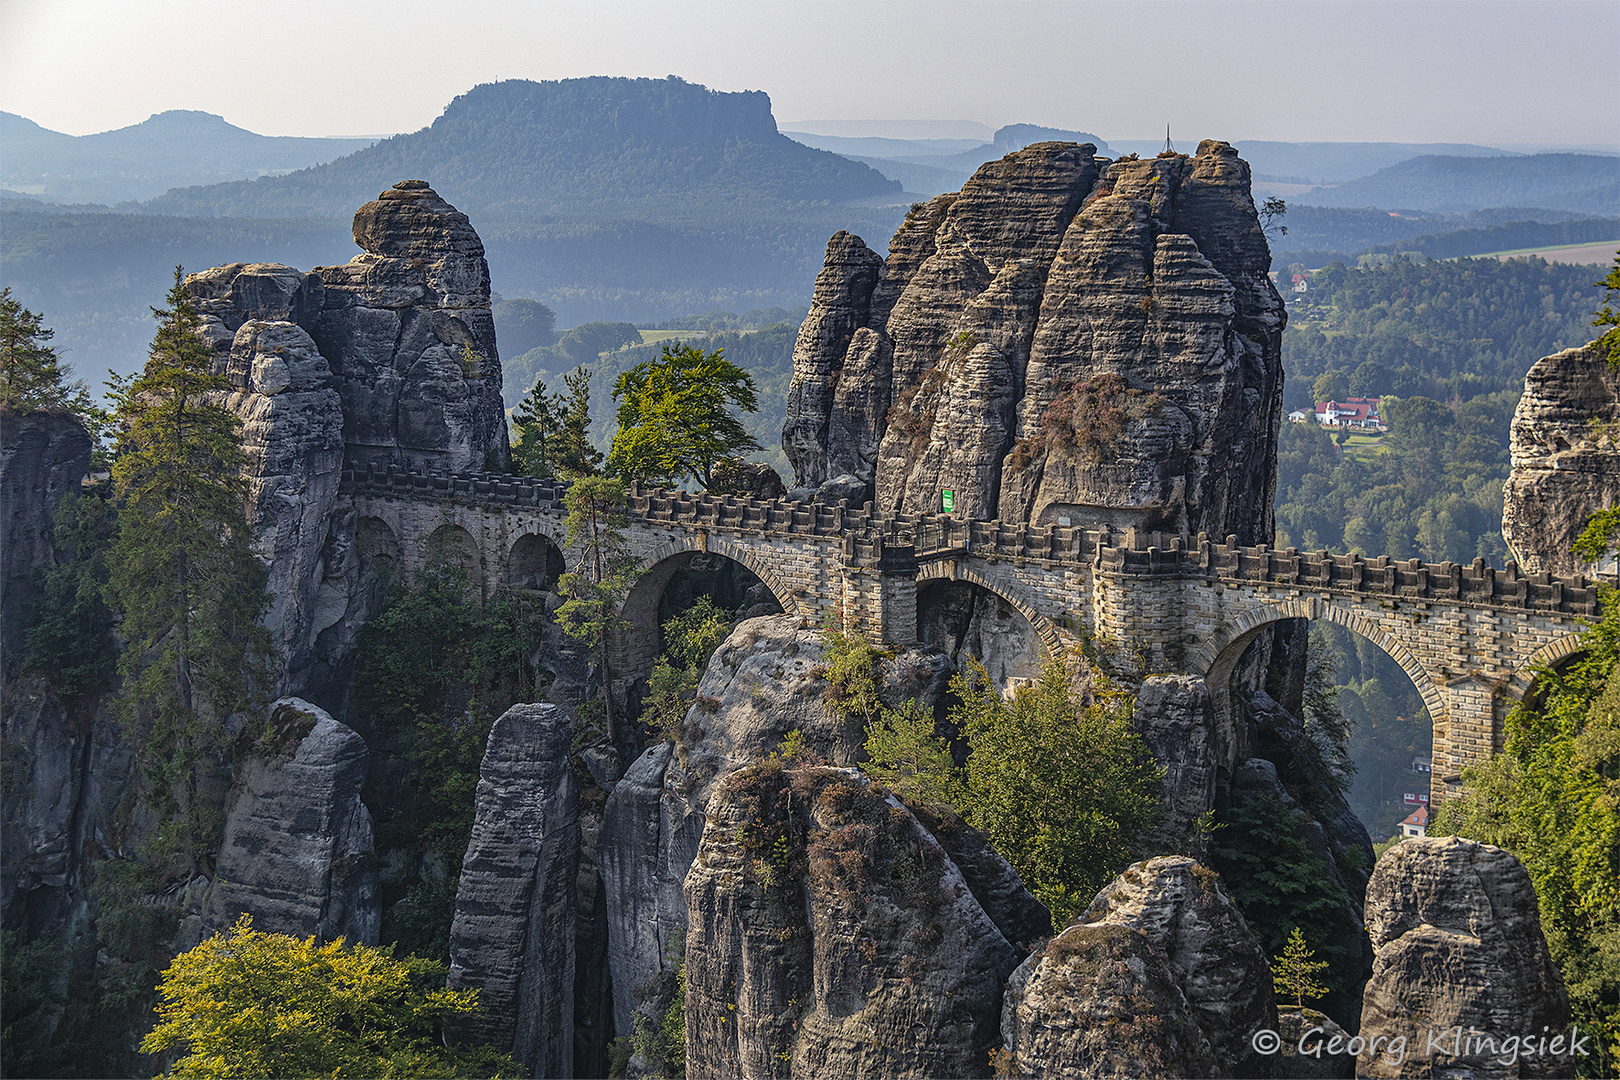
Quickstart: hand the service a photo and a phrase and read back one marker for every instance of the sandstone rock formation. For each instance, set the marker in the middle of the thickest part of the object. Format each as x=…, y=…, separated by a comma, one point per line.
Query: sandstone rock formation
x=760, y=685
x=513, y=934
x=833, y=935
x=388, y=359
x=1457, y=934
x=1209, y=950
x=297, y=847
x=1304, y=1054
x=1064, y=337
x=1100, y=1001
x=1174, y=719
x=43, y=456
x=1566, y=459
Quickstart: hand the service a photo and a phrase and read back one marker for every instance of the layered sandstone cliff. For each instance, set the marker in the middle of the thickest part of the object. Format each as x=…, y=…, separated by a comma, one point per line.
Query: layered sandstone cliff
x=1065, y=337
x=1566, y=459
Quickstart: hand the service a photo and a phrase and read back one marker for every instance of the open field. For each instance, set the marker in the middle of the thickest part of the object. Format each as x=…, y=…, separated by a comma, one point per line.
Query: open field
x=1576, y=254
x=1364, y=447
x=653, y=337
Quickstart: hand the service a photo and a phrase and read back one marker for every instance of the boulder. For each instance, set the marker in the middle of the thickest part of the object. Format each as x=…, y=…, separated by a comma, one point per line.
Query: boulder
x=1304, y=1052
x=43, y=456
x=1100, y=1001
x=1210, y=952
x=1566, y=459
x=1457, y=941
x=833, y=935
x=296, y=853
x=513, y=936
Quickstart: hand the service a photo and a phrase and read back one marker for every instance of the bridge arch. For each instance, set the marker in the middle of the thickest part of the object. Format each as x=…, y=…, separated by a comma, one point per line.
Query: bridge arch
x=1549, y=655
x=1011, y=592
x=640, y=641
x=535, y=560
x=456, y=547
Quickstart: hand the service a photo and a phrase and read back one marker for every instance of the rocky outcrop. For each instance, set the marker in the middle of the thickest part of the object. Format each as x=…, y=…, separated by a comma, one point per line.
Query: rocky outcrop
x=761, y=684
x=1566, y=459
x=1311, y=1047
x=1209, y=951
x=389, y=359
x=408, y=331
x=1457, y=937
x=292, y=430
x=833, y=935
x=1174, y=718
x=1064, y=337
x=1100, y=1001
x=297, y=848
x=43, y=456
x=513, y=935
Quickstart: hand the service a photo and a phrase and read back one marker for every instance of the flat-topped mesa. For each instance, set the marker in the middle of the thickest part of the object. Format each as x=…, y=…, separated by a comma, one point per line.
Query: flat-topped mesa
x=1066, y=338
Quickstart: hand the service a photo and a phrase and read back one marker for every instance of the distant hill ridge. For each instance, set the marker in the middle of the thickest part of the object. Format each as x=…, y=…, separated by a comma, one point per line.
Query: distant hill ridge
x=169, y=149
x=1583, y=183
x=508, y=153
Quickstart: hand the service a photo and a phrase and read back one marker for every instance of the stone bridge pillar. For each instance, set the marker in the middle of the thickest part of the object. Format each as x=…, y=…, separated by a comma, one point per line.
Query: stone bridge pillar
x=880, y=590
x=1469, y=732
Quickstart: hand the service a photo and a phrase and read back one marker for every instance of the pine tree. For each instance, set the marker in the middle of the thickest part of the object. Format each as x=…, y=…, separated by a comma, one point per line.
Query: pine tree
x=539, y=423
x=180, y=571
x=1294, y=972
x=596, y=521
x=1609, y=343
x=576, y=456
x=31, y=375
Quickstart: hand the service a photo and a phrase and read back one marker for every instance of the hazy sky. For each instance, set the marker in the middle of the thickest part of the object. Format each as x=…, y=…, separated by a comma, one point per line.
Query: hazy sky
x=1505, y=72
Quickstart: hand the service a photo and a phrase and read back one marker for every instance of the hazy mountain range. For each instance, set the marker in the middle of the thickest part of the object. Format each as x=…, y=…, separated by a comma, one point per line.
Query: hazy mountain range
x=144, y=160
x=638, y=199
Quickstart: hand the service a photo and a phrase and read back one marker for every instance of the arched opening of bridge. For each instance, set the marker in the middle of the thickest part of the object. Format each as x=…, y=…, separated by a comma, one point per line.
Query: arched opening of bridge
x=1329, y=676
x=964, y=618
x=452, y=548
x=673, y=585
x=535, y=562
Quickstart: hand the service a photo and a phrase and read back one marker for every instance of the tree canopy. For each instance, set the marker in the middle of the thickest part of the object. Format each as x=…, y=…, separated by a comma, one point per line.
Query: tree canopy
x=675, y=416
x=31, y=375
x=181, y=571
x=245, y=1003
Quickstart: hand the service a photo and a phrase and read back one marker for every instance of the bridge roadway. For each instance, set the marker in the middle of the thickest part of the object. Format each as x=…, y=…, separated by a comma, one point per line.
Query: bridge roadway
x=1471, y=637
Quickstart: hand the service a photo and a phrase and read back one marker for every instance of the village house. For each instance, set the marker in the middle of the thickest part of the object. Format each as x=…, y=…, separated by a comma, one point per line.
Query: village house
x=1351, y=413
x=1416, y=823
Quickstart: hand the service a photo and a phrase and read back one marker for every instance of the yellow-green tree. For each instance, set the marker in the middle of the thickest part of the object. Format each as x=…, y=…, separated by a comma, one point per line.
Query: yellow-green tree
x=245, y=1003
x=181, y=572
x=1294, y=972
x=675, y=416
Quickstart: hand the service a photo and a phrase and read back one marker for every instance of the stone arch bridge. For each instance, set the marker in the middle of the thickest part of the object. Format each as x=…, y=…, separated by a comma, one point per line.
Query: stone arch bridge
x=1470, y=636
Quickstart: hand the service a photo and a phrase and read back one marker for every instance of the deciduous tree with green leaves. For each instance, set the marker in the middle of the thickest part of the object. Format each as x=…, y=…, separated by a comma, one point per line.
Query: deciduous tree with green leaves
x=597, y=517
x=675, y=417
x=181, y=572
x=245, y=1003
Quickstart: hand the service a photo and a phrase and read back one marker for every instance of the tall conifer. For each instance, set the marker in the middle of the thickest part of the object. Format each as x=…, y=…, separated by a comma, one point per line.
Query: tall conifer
x=181, y=572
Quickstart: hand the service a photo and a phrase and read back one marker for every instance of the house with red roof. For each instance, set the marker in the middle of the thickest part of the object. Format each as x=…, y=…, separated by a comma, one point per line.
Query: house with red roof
x=1351, y=413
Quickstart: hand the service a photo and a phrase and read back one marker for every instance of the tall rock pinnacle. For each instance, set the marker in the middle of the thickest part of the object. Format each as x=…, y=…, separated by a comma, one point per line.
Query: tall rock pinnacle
x=1065, y=337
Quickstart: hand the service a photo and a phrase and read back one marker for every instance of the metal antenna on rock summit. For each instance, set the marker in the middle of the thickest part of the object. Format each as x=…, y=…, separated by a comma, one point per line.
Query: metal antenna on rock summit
x=1169, y=147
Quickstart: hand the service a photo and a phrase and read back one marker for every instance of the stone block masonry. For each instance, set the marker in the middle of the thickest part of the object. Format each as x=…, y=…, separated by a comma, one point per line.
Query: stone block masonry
x=1471, y=637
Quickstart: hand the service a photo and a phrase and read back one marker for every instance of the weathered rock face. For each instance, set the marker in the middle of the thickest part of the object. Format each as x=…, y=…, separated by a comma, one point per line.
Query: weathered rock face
x=760, y=685
x=833, y=935
x=1566, y=459
x=1066, y=337
x=297, y=849
x=1173, y=716
x=389, y=359
x=43, y=456
x=395, y=324
x=513, y=935
x=1100, y=1001
x=292, y=430
x=1304, y=1054
x=1457, y=938
x=1211, y=954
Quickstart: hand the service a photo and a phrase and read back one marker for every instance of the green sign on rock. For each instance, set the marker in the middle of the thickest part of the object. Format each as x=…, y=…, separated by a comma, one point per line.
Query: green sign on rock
x=948, y=499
